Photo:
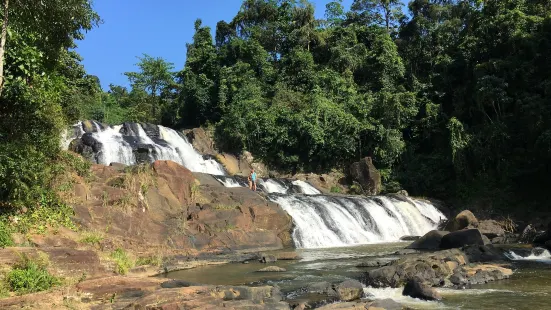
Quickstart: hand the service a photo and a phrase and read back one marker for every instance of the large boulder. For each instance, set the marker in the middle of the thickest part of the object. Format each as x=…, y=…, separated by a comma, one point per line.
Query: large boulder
x=431, y=268
x=416, y=289
x=462, y=238
x=464, y=219
x=365, y=173
x=491, y=229
x=350, y=290
x=430, y=241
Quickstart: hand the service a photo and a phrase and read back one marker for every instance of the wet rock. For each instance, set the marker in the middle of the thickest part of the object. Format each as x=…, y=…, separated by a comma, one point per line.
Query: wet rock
x=548, y=244
x=416, y=289
x=528, y=234
x=465, y=219
x=376, y=263
x=407, y=251
x=268, y=258
x=410, y=238
x=365, y=173
x=387, y=304
x=491, y=229
x=462, y=238
x=482, y=253
x=481, y=274
x=430, y=241
x=350, y=290
x=272, y=269
x=287, y=256
x=323, y=288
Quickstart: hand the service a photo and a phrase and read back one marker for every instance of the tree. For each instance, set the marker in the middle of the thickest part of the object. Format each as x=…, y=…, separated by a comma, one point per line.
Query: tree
x=156, y=78
x=384, y=13
x=334, y=13
x=55, y=23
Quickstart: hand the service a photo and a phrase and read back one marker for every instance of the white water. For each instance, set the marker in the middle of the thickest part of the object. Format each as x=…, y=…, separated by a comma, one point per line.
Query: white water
x=542, y=256
x=229, y=182
x=170, y=146
x=272, y=186
x=114, y=149
x=306, y=188
x=331, y=221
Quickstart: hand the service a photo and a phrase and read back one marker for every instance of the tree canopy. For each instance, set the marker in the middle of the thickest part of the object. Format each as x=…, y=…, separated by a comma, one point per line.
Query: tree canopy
x=450, y=98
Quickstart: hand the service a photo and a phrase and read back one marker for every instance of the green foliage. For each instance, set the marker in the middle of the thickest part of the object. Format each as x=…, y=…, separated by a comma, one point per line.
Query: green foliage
x=122, y=260
x=336, y=189
x=92, y=238
x=30, y=276
x=5, y=236
x=155, y=260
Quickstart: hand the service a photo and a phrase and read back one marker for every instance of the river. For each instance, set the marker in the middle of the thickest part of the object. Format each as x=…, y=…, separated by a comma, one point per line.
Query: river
x=528, y=288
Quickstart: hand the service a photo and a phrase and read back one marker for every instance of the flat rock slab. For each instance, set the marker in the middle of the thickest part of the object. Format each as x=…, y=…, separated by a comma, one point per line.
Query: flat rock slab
x=272, y=269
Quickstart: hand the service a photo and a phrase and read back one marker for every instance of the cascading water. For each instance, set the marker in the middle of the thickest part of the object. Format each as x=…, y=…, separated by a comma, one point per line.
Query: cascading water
x=334, y=221
x=129, y=144
x=536, y=255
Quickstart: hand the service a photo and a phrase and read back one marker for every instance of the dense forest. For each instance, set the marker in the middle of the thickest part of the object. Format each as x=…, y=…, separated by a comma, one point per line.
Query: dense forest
x=450, y=98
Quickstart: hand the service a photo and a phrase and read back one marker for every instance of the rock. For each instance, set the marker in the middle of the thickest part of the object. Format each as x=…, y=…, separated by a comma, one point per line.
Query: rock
x=403, y=192
x=416, y=289
x=350, y=290
x=268, y=258
x=479, y=274
x=462, y=238
x=410, y=238
x=177, y=284
x=482, y=253
x=528, y=234
x=365, y=173
x=491, y=229
x=465, y=219
x=387, y=304
x=407, y=252
x=287, y=256
x=344, y=306
x=323, y=288
x=272, y=269
x=430, y=241
x=548, y=245
x=431, y=268
x=376, y=263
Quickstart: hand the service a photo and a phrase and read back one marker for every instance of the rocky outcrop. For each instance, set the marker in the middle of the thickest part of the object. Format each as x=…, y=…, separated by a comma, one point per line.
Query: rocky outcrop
x=416, y=289
x=433, y=269
x=165, y=206
x=491, y=229
x=462, y=238
x=365, y=173
x=430, y=241
x=464, y=219
x=349, y=290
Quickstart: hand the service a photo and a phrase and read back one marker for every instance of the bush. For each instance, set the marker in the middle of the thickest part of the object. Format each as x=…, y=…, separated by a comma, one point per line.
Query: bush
x=336, y=190
x=30, y=277
x=5, y=236
x=122, y=260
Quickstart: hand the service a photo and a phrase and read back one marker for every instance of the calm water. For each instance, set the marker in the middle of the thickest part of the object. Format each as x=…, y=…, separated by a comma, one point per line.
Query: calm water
x=529, y=288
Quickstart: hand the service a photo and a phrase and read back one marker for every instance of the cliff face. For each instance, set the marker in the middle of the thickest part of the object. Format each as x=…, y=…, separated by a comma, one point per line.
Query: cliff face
x=166, y=206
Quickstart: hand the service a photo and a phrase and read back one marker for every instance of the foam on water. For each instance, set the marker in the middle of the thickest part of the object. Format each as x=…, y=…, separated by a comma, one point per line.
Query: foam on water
x=537, y=255
x=306, y=188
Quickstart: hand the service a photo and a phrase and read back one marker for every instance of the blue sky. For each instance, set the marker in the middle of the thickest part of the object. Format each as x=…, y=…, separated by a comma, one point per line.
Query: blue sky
x=159, y=28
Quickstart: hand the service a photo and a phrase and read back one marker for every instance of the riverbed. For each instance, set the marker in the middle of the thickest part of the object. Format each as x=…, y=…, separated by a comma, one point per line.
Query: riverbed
x=528, y=288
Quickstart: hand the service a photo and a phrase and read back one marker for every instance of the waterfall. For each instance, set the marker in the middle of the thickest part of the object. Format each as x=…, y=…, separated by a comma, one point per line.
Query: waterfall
x=130, y=144
x=335, y=221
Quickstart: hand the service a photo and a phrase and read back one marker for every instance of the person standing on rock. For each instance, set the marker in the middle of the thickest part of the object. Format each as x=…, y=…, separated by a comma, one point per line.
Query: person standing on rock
x=252, y=180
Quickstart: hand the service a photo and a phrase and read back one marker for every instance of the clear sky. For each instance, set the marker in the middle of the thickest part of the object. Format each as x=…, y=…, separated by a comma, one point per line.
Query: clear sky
x=159, y=28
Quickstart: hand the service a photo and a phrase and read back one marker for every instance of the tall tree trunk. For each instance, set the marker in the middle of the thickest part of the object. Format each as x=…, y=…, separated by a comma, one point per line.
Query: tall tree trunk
x=3, y=43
